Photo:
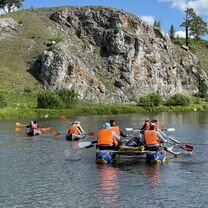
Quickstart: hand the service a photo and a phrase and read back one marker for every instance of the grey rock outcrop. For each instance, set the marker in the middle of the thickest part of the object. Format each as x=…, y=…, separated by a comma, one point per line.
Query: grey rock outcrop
x=111, y=56
x=7, y=27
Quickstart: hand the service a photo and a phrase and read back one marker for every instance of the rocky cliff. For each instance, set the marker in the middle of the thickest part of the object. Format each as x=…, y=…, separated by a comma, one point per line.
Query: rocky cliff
x=108, y=56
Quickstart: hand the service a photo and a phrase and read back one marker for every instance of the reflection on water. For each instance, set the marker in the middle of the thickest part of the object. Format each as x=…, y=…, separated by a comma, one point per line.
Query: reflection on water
x=108, y=194
x=153, y=173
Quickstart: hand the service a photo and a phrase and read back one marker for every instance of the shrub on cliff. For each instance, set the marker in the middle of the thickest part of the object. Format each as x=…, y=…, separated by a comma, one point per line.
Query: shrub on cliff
x=153, y=99
x=3, y=102
x=178, y=99
x=67, y=96
x=49, y=100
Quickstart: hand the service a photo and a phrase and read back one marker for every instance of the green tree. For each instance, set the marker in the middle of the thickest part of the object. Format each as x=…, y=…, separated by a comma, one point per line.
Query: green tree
x=194, y=25
x=9, y=5
x=198, y=28
x=172, y=32
x=157, y=24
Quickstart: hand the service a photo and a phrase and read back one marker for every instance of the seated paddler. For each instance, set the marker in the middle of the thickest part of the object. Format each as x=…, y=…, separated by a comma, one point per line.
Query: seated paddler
x=152, y=141
x=108, y=139
x=74, y=132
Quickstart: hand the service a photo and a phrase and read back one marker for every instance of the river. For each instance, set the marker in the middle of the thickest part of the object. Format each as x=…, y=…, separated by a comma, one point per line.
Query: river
x=35, y=173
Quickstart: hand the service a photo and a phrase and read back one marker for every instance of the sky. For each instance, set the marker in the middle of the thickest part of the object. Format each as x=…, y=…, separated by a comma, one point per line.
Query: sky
x=168, y=12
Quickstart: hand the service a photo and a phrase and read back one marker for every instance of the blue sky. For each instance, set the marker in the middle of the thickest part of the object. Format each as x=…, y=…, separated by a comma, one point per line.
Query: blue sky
x=169, y=12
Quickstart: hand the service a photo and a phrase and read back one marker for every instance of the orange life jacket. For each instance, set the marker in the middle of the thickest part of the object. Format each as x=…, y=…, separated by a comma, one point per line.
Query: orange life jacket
x=73, y=130
x=116, y=129
x=151, y=137
x=105, y=137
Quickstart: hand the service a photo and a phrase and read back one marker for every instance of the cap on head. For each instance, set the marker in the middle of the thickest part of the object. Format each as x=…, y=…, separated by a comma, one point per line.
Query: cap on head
x=147, y=119
x=107, y=126
x=76, y=122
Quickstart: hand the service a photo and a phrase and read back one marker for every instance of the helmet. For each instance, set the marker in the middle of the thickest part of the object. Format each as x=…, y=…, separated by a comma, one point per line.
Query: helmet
x=107, y=126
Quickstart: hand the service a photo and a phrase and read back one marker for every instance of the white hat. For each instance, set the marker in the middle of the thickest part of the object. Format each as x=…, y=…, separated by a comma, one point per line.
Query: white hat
x=76, y=122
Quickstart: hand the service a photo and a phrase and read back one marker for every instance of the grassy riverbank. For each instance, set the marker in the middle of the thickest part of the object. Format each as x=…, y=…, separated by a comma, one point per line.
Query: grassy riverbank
x=9, y=113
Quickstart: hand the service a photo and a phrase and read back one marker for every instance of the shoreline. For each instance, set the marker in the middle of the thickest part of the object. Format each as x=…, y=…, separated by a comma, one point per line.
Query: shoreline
x=12, y=113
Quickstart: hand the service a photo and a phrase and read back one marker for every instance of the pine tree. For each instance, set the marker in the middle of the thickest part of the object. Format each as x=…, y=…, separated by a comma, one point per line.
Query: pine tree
x=157, y=24
x=172, y=32
x=194, y=25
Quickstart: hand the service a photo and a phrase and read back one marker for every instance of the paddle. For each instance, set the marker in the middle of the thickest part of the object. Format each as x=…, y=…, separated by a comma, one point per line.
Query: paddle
x=88, y=134
x=86, y=145
x=20, y=125
x=136, y=129
x=45, y=130
x=63, y=118
x=183, y=146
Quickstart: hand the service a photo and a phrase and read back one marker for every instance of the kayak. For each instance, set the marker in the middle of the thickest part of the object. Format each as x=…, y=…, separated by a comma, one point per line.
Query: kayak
x=33, y=132
x=108, y=156
x=70, y=137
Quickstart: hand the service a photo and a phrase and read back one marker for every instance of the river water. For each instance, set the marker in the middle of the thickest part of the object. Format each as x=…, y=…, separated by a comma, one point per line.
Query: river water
x=35, y=172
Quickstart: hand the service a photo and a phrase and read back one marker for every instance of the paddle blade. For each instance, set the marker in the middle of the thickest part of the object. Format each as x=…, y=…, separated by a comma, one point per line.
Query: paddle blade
x=84, y=144
x=19, y=124
x=170, y=129
x=56, y=134
x=186, y=147
x=91, y=134
x=63, y=118
x=129, y=129
x=46, y=129
x=18, y=130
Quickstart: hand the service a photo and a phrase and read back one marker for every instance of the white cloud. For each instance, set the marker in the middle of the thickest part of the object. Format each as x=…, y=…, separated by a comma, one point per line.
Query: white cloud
x=180, y=34
x=148, y=19
x=199, y=6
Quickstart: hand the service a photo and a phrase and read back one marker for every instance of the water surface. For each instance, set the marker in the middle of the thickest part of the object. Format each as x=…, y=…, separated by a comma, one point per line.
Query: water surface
x=35, y=173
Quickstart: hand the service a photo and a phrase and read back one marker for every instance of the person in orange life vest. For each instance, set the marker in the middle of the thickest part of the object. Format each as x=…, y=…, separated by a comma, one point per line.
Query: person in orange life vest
x=107, y=138
x=117, y=129
x=152, y=141
x=79, y=127
x=74, y=132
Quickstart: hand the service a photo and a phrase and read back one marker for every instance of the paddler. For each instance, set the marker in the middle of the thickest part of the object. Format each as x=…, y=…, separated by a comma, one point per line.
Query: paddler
x=108, y=139
x=74, y=131
x=116, y=128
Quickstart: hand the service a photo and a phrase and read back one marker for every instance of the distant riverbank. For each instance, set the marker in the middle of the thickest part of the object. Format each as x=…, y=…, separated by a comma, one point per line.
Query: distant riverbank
x=9, y=113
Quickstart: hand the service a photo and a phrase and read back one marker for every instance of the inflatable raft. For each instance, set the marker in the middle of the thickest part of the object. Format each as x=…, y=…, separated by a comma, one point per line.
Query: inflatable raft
x=108, y=156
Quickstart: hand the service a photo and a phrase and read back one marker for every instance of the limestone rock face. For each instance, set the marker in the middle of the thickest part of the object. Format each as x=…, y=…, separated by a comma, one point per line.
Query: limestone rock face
x=111, y=56
x=7, y=27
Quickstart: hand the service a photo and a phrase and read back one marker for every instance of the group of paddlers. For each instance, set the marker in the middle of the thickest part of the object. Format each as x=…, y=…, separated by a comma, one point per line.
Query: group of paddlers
x=150, y=135
x=110, y=137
